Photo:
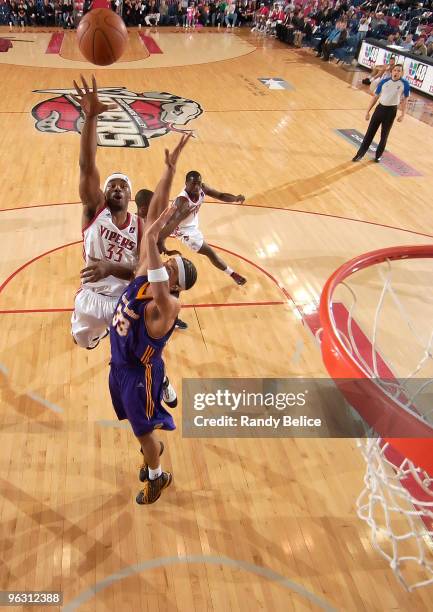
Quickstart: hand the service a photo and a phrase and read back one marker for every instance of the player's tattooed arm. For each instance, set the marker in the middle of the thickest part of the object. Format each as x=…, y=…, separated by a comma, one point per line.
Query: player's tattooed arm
x=223, y=197
x=90, y=191
x=101, y=269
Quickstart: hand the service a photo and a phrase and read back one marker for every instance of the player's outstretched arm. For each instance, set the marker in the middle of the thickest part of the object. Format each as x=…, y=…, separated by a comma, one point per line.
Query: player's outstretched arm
x=90, y=190
x=223, y=197
x=161, y=317
x=160, y=198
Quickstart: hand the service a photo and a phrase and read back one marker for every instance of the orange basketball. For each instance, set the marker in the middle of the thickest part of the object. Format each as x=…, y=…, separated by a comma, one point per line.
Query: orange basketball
x=102, y=36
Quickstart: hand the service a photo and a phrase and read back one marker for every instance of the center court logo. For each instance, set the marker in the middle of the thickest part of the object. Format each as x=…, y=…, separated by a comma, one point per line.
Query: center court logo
x=138, y=117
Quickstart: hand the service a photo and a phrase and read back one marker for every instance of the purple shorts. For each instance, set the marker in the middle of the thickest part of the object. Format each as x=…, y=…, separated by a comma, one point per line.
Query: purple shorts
x=136, y=394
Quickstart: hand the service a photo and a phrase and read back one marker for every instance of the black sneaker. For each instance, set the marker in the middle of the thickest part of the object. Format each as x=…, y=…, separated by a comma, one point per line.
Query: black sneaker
x=357, y=157
x=239, y=280
x=95, y=342
x=144, y=470
x=377, y=160
x=180, y=324
x=153, y=488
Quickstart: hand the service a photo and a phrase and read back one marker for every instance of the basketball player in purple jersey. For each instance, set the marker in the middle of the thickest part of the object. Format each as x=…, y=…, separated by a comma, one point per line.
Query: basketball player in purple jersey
x=142, y=325
x=184, y=222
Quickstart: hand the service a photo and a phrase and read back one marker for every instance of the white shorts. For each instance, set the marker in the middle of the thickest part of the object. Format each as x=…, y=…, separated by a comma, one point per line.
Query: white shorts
x=91, y=317
x=191, y=237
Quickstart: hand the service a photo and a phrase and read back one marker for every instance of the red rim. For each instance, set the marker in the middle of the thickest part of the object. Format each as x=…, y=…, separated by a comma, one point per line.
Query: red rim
x=377, y=408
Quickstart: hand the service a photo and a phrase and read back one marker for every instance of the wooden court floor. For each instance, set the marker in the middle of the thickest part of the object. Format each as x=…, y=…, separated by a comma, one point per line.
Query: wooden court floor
x=249, y=524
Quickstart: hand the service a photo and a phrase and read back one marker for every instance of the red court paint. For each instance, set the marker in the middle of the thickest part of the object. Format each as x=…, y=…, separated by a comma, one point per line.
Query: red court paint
x=55, y=43
x=150, y=44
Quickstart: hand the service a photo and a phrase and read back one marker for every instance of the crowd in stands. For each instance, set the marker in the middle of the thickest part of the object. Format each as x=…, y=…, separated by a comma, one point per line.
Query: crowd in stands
x=333, y=27
x=60, y=13
x=328, y=26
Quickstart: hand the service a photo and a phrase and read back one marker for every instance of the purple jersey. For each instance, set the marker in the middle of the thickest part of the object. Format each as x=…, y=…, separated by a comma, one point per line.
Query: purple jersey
x=137, y=368
x=131, y=345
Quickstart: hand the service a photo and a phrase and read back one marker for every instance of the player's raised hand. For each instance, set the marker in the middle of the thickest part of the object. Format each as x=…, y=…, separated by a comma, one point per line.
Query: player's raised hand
x=88, y=99
x=171, y=158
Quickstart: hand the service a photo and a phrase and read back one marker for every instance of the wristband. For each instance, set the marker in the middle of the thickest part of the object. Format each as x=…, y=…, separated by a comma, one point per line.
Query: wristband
x=157, y=276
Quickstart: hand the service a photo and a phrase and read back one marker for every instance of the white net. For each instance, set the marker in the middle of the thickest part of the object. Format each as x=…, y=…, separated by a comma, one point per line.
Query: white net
x=397, y=504
x=391, y=339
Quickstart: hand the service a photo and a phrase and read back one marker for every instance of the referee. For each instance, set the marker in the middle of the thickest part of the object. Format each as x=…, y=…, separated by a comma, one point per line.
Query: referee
x=388, y=93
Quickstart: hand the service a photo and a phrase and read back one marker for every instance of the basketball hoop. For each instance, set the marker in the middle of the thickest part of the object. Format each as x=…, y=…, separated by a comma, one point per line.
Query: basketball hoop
x=397, y=499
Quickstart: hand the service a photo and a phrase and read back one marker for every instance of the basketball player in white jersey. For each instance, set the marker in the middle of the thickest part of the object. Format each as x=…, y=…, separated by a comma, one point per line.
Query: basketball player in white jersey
x=184, y=222
x=110, y=233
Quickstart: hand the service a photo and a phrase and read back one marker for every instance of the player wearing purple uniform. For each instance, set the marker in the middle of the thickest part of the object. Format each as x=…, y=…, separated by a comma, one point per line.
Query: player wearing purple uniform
x=142, y=324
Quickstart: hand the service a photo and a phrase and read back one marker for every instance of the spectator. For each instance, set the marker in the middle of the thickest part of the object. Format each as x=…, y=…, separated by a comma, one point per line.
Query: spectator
x=231, y=15
x=163, y=12
x=153, y=16
x=260, y=18
x=335, y=40
x=419, y=47
x=220, y=12
x=190, y=16
x=203, y=14
x=364, y=25
x=408, y=42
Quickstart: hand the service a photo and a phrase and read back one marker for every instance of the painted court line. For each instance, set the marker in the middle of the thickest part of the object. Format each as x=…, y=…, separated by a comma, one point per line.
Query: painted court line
x=44, y=402
x=258, y=570
x=113, y=423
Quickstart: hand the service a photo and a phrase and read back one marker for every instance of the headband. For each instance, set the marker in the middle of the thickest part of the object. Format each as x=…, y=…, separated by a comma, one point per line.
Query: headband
x=118, y=175
x=181, y=269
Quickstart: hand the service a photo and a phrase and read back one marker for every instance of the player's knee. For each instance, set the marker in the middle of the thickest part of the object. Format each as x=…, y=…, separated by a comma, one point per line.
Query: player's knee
x=81, y=339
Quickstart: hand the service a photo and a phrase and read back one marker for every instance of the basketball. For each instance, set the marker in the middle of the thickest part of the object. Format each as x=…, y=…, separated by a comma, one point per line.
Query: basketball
x=102, y=37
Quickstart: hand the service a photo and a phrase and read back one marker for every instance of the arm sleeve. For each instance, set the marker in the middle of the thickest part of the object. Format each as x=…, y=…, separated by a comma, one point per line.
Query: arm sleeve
x=379, y=87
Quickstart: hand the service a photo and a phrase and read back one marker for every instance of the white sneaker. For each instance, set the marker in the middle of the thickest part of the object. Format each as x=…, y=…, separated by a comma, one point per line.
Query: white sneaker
x=169, y=394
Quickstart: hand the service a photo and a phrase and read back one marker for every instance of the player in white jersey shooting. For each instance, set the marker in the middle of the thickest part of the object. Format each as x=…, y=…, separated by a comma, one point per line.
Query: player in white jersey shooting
x=184, y=222
x=110, y=234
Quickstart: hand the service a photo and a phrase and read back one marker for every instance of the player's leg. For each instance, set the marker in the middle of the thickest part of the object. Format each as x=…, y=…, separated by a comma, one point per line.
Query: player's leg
x=88, y=321
x=216, y=260
x=156, y=480
x=136, y=395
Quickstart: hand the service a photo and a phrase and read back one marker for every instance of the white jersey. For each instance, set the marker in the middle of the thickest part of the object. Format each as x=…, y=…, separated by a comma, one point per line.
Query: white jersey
x=102, y=239
x=191, y=221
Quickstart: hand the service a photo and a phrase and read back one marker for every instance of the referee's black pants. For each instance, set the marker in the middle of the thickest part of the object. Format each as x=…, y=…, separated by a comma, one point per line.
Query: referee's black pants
x=383, y=116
